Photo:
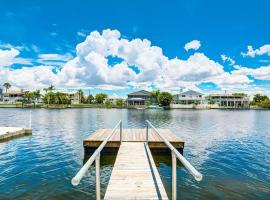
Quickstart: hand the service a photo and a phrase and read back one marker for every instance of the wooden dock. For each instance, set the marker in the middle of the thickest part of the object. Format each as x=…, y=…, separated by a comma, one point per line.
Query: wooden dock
x=135, y=175
x=7, y=133
x=133, y=135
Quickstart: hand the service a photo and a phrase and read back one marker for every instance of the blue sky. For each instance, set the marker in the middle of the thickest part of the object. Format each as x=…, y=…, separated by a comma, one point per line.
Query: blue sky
x=46, y=33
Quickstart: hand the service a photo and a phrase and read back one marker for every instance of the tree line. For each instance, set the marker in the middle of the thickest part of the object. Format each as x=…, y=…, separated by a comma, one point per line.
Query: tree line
x=262, y=101
x=51, y=96
x=55, y=97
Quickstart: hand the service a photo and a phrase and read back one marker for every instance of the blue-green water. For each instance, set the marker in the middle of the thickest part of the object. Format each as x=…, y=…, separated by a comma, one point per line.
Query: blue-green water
x=230, y=148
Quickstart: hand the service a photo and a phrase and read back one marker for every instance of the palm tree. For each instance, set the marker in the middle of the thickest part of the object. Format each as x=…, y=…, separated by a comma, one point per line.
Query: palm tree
x=46, y=90
x=154, y=95
x=28, y=96
x=50, y=94
x=51, y=88
x=7, y=86
x=80, y=92
x=36, y=96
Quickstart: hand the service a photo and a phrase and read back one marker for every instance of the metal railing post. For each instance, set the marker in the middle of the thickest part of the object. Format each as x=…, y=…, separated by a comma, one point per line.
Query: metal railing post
x=174, y=178
x=97, y=162
x=82, y=172
x=147, y=132
x=197, y=175
x=121, y=132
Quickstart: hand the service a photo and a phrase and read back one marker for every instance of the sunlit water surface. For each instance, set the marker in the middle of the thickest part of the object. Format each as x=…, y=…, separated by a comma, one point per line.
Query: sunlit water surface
x=230, y=148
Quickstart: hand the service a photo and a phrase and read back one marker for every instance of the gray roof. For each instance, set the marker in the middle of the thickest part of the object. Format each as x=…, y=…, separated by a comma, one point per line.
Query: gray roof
x=140, y=93
x=191, y=92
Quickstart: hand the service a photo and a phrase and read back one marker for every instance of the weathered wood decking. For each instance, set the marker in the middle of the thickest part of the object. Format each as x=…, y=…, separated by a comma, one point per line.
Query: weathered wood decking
x=133, y=135
x=7, y=133
x=135, y=175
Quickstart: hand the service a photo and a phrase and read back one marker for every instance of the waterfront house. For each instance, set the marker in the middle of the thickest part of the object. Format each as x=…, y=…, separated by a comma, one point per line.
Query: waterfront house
x=13, y=96
x=113, y=99
x=188, y=97
x=74, y=97
x=229, y=100
x=138, y=99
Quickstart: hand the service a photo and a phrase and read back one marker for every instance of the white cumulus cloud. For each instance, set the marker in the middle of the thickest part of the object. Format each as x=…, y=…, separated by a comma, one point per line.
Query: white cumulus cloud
x=227, y=59
x=106, y=60
x=265, y=49
x=9, y=57
x=194, y=44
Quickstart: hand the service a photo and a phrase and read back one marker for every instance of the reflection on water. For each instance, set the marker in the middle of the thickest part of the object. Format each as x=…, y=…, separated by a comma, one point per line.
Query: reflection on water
x=230, y=148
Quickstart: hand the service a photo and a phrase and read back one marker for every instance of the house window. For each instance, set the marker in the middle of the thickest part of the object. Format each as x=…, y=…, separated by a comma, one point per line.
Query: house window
x=183, y=95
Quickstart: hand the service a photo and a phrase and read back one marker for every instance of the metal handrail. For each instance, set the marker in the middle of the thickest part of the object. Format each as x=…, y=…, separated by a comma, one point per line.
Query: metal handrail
x=175, y=154
x=96, y=157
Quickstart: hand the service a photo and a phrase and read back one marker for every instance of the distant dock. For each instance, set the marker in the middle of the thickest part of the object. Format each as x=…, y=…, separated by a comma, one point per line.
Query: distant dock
x=7, y=133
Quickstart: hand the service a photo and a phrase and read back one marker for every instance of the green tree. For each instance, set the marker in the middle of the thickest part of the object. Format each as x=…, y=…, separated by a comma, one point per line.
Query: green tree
x=164, y=98
x=100, y=97
x=49, y=94
x=258, y=98
x=108, y=102
x=90, y=99
x=46, y=90
x=148, y=103
x=265, y=103
x=154, y=96
x=51, y=88
x=81, y=96
x=36, y=96
x=27, y=97
x=7, y=86
x=120, y=102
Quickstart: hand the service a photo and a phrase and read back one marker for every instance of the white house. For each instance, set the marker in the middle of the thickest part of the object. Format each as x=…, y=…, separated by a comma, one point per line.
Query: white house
x=13, y=96
x=113, y=99
x=188, y=97
x=74, y=97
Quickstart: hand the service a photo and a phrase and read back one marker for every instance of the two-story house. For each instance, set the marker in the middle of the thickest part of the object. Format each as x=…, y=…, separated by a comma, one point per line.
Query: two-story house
x=188, y=97
x=138, y=99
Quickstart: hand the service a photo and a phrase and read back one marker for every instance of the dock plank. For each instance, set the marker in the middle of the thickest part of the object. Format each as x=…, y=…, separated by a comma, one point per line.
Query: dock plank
x=134, y=174
x=133, y=135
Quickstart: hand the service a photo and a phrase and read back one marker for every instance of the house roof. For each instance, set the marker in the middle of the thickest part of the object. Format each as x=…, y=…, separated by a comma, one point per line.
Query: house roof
x=191, y=92
x=15, y=92
x=141, y=93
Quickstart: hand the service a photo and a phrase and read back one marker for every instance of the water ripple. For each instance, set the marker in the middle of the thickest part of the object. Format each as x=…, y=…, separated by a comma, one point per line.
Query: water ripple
x=230, y=148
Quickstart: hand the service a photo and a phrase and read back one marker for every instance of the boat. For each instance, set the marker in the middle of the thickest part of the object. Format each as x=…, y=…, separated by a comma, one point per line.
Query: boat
x=154, y=107
x=140, y=108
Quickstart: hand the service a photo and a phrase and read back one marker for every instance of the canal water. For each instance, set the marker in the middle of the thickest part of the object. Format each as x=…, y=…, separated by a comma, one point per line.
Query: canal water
x=230, y=148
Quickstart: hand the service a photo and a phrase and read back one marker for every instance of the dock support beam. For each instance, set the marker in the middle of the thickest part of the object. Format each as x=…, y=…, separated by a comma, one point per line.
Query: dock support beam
x=174, y=178
x=97, y=162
